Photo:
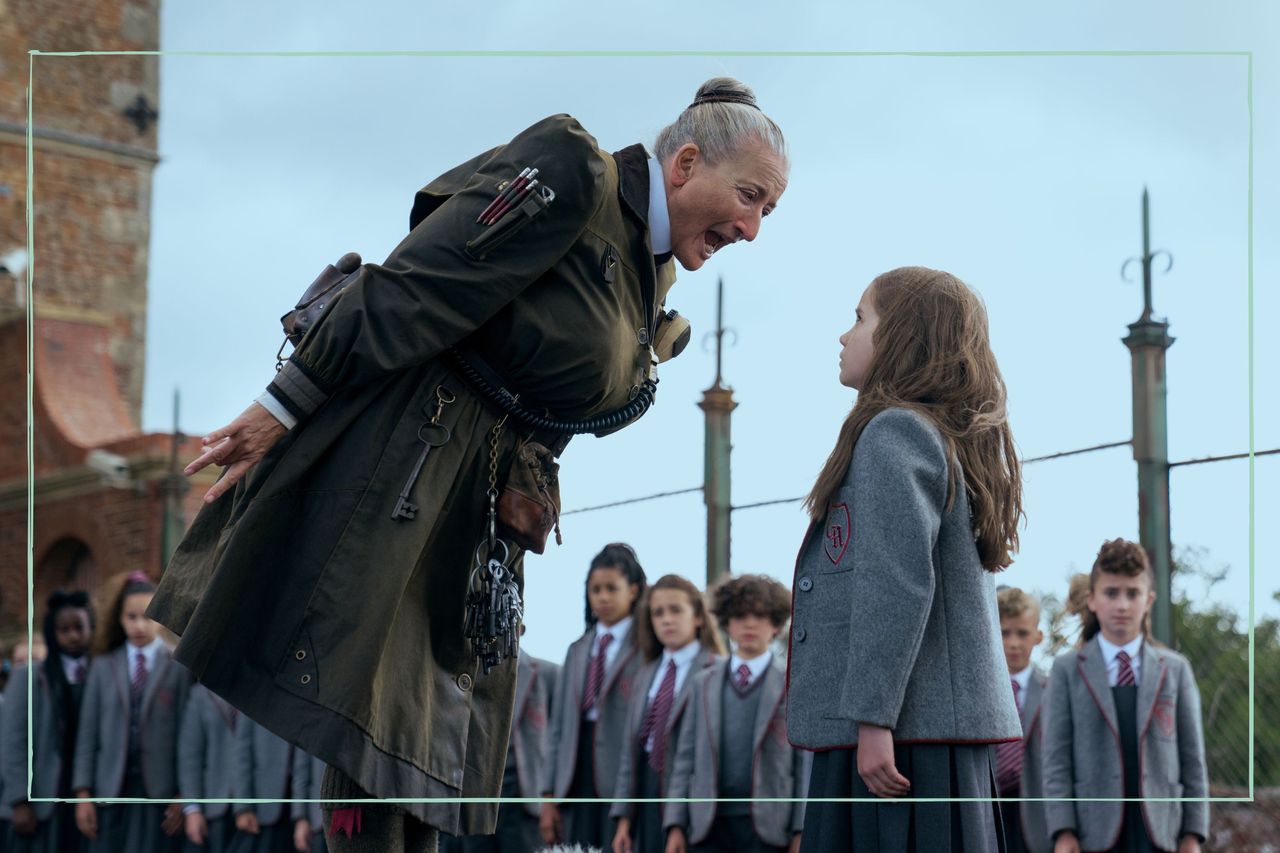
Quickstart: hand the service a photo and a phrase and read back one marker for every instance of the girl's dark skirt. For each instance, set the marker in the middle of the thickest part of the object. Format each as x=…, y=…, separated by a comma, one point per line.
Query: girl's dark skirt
x=587, y=824
x=884, y=826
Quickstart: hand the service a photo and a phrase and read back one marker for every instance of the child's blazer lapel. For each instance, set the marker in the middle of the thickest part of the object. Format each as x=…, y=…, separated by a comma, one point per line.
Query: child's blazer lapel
x=1153, y=673
x=1094, y=672
x=770, y=695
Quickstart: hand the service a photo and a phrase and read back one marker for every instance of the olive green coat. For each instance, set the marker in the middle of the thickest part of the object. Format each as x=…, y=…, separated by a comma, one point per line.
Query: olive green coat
x=296, y=595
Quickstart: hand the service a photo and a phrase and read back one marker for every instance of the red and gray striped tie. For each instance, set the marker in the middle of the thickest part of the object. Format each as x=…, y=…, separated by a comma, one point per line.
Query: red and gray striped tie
x=655, y=722
x=744, y=677
x=595, y=674
x=1009, y=755
x=1124, y=678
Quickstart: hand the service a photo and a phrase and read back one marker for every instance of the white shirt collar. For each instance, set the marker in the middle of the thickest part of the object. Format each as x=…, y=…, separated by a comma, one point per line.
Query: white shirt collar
x=69, y=665
x=618, y=630
x=659, y=217
x=148, y=653
x=682, y=656
x=756, y=666
x=1133, y=648
x=1023, y=678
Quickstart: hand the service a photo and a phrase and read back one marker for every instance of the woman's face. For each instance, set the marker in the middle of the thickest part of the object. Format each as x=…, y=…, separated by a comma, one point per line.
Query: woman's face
x=610, y=595
x=72, y=630
x=674, y=622
x=713, y=206
x=856, y=348
x=133, y=618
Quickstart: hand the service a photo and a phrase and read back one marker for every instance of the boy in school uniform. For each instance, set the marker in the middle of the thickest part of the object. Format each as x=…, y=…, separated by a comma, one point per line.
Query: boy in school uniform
x=1019, y=763
x=1123, y=720
x=733, y=740
x=263, y=765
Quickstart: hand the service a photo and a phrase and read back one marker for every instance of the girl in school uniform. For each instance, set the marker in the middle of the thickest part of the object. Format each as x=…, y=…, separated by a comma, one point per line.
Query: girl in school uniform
x=590, y=710
x=128, y=734
x=59, y=683
x=896, y=673
x=678, y=642
x=1123, y=720
x=733, y=738
x=308, y=822
x=206, y=742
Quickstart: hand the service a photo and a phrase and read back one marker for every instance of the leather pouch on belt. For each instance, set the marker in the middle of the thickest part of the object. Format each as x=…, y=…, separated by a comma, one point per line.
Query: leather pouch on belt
x=529, y=507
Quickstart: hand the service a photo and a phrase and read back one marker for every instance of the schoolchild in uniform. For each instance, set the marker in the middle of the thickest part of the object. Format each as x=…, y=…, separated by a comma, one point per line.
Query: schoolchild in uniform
x=678, y=642
x=206, y=747
x=896, y=676
x=127, y=741
x=1123, y=720
x=733, y=738
x=308, y=822
x=263, y=767
x=1019, y=765
x=59, y=683
x=590, y=711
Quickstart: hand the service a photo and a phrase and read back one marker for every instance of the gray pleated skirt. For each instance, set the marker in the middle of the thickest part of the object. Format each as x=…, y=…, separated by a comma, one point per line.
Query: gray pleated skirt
x=885, y=826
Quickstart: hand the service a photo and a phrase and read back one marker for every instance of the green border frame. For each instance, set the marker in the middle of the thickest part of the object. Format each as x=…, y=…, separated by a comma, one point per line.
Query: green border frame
x=618, y=54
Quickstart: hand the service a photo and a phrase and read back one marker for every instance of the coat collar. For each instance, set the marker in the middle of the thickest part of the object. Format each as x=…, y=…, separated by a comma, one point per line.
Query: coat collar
x=1094, y=672
x=633, y=181
x=1031, y=704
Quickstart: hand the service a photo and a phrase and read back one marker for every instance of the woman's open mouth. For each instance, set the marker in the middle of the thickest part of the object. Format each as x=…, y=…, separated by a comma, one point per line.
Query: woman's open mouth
x=711, y=242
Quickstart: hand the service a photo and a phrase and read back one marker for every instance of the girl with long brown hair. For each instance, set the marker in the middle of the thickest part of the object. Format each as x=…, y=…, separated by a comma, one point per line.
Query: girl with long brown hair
x=897, y=676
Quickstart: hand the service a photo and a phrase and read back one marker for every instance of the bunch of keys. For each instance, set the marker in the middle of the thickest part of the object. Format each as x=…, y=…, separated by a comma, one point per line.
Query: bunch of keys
x=494, y=609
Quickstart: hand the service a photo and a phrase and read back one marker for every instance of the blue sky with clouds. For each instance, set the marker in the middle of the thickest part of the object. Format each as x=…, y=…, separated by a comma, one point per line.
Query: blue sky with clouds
x=1022, y=175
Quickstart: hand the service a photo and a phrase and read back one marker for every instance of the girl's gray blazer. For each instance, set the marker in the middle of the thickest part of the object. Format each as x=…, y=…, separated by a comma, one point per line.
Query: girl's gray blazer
x=102, y=741
x=1082, y=753
x=46, y=742
x=308, y=773
x=626, y=784
x=777, y=768
x=206, y=741
x=531, y=717
x=262, y=768
x=894, y=619
x=1035, y=835
x=566, y=715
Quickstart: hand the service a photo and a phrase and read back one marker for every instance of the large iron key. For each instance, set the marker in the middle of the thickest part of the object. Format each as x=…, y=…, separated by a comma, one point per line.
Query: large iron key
x=432, y=435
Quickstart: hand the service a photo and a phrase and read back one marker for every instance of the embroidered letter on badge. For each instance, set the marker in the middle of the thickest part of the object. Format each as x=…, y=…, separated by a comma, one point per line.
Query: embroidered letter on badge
x=839, y=530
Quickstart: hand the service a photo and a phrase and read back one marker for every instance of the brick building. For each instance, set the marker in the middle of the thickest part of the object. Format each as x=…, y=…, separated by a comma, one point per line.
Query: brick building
x=94, y=140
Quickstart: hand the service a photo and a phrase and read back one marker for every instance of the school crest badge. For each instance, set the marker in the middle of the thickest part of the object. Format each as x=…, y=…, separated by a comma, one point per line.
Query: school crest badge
x=838, y=530
x=1164, y=716
x=536, y=717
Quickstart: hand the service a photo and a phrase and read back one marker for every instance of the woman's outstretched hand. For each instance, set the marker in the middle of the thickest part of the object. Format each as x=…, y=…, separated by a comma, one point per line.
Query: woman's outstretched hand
x=238, y=446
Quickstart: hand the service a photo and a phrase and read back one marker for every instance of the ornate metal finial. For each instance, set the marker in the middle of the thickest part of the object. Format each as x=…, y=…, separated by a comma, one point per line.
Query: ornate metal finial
x=1147, y=257
x=141, y=113
x=719, y=333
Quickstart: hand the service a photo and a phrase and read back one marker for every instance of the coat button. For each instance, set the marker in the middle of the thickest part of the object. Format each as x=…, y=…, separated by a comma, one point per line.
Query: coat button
x=806, y=584
x=642, y=335
x=800, y=635
x=464, y=682
x=300, y=654
x=306, y=679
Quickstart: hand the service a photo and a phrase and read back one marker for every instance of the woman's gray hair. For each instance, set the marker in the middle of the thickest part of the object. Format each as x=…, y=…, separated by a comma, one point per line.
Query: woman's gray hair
x=720, y=128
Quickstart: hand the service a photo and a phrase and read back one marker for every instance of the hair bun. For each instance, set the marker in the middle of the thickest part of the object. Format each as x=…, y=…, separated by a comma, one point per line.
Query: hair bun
x=725, y=90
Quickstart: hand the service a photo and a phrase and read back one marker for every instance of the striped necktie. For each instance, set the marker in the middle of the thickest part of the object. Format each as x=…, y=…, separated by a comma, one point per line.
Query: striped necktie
x=139, y=683
x=1009, y=755
x=1124, y=677
x=744, y=676
x=655, y=721
x=595, y=673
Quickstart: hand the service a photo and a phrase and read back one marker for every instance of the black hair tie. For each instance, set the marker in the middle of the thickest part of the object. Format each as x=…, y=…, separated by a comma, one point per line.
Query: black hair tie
x=724, y=97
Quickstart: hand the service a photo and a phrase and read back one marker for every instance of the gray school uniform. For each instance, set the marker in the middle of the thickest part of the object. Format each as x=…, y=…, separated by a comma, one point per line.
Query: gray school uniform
x=263, y=765
x=777, y=768
x=102, y=759
x=627, y=782
x=530, y=727
x=102, y=741
x=894, y=618
x=205, y=751
x=308, y=771
x=1035, y=836
x=567, y=773
x=1082, y=750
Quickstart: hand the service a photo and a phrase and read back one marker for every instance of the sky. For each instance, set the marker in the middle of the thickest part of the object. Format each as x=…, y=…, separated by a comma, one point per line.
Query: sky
x=1021, y=175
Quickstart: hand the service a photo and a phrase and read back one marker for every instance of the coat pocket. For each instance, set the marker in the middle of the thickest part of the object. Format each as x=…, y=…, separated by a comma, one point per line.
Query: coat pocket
x=529, y=507
x=511, y=222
